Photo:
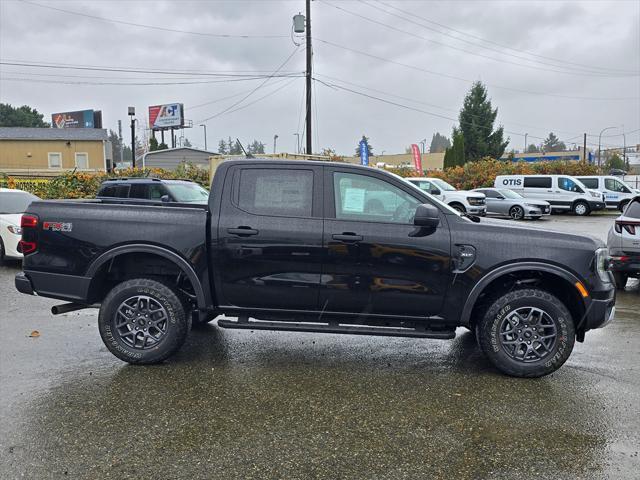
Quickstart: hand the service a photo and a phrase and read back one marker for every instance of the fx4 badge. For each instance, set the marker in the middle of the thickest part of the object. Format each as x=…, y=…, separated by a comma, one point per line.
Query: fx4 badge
x=57, y=226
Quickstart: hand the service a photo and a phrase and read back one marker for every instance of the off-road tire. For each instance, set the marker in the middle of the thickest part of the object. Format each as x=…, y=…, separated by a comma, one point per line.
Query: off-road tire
x=458, y=206
x=620, y=279
x=178, y=323
x=489, y=335
x=581, y=209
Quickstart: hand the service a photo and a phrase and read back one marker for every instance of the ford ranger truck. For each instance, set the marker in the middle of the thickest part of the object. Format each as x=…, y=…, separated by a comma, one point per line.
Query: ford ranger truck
x=298, y=246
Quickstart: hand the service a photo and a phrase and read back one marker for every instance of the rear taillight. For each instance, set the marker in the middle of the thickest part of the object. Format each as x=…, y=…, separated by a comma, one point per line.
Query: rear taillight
x=629, y=227
x=29, y=221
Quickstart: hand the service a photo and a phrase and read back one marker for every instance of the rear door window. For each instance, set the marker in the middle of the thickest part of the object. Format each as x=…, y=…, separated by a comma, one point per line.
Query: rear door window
x=633, y=209
x=537, y=182
x=114, y=191
x=139, y=190
x=590, y=182
x=278, y=192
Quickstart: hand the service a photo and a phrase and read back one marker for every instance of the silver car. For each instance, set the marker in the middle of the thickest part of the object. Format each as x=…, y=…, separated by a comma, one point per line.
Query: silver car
x=502, y=201
x=624, y=244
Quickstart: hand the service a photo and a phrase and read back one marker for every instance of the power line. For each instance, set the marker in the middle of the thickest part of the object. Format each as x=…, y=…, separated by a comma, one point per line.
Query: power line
x=221, y=99
x=562, y=62
x=466, y=80
x=134, y=70
x=151, y=27
x=446, y=45
x=131, y=84
x=273, y=92
x=295, y=50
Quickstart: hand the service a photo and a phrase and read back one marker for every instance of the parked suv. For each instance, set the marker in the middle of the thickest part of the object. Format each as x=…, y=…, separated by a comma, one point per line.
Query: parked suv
x=502, y=201
x=616, y=192
x=624, y=244
x=563, y=192
x=464, y=201
x=152, y=190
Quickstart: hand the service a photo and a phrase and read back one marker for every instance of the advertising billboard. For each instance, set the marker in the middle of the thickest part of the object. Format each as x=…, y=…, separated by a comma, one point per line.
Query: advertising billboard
x=79, y=119
x=170, y=115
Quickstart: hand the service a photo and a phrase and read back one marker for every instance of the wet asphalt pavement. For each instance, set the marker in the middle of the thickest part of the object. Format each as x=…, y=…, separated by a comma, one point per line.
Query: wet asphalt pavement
x=239, y=404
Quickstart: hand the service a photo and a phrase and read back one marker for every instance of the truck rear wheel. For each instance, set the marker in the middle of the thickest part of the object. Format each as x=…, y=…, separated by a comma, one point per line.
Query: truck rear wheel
x=143, y=321
x=527, y=333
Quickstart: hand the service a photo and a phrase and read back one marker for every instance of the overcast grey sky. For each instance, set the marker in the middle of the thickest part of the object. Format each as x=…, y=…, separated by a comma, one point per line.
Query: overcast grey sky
x=567, y=67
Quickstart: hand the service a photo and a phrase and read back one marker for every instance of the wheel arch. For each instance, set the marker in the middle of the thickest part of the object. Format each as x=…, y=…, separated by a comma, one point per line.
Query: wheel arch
x=179, y=262
x=561, y=283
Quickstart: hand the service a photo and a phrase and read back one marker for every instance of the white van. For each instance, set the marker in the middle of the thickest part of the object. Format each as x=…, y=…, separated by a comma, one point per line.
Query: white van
x=616, y=192
x=563, y=192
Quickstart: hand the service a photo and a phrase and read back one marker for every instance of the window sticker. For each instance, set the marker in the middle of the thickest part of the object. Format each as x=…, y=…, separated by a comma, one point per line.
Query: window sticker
x=353, y=201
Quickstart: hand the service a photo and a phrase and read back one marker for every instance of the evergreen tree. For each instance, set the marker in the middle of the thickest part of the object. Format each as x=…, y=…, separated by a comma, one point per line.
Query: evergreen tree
x=235, y=148
x=369, y=147
x=23, y=116
x=454, y=156
x=256, y=148
x=222, y=147
x=153, y=144
x=553, y=144
x=532, y=149
x=439, y=143
x=187, y=143
x=476, y=124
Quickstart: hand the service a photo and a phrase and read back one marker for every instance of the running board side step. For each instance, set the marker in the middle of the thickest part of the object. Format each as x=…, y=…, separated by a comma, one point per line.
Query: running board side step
x=246, y=324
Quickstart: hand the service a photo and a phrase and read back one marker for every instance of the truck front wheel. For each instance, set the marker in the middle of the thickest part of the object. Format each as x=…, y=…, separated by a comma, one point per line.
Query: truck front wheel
x=143, y=321
x=527, y=333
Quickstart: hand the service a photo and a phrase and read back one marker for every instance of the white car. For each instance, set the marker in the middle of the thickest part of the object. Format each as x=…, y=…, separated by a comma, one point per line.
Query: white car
x=473, y=203
x=13, y=203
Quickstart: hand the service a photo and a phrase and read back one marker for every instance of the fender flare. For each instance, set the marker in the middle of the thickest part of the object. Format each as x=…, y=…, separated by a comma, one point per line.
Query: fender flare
x=180, y=262
x=512, y=268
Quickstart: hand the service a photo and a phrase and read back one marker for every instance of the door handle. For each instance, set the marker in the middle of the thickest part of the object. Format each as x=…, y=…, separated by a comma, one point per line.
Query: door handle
x=347, y=237
x=242, y=231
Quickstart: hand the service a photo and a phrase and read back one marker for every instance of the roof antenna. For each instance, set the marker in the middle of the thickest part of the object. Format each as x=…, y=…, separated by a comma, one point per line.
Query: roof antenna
x=248, y=155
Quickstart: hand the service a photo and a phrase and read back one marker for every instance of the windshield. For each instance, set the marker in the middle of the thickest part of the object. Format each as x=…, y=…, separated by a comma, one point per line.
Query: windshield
x=506, y=193
x=443, y=185
x=188, y=192
x=15, y=202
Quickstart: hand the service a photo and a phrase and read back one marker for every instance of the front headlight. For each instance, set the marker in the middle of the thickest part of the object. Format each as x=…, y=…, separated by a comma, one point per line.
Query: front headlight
x=602, y=261
x=596, y=194
x=15, y=229
x=531, y=205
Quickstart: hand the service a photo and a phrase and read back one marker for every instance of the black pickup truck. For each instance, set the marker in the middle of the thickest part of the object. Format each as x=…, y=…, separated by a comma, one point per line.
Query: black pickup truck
x=316, y=247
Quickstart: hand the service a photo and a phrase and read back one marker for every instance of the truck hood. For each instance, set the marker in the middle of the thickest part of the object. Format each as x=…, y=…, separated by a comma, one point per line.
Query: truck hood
x=542, y=238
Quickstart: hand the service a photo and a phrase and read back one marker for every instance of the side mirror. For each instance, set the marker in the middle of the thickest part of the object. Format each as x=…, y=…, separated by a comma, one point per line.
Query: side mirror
x=434, y=191
x=426, y=216
x=499, y=197
x=165, y=198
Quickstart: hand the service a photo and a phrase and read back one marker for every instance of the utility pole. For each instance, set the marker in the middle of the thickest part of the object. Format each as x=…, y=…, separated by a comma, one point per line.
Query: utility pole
x=205, y=135
x=297, y=142
x=525, y=143
x=584, y=148
x=309, y=60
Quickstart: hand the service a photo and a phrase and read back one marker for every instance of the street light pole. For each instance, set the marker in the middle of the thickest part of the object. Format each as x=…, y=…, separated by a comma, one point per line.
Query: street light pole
x=275, y=139
x=423, y=142
x=205, y=135
x=599, y=143
x=525, y=143
x=132, y=113
x=297, y=142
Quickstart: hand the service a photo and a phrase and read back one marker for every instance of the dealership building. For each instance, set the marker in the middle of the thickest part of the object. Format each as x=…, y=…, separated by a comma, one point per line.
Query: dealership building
x=48, y=151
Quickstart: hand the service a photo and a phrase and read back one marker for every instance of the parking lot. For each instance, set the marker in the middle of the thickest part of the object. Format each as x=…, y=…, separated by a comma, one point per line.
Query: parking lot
x=241, y=404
